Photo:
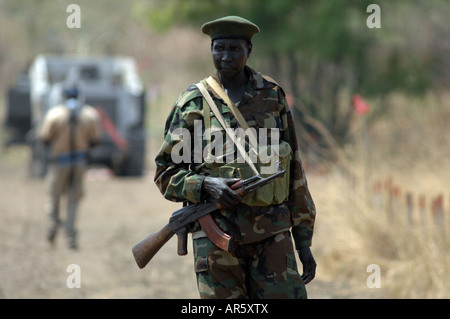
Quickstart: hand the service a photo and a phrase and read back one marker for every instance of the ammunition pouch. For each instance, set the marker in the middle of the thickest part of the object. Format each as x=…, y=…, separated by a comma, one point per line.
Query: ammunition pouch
x=271, y=194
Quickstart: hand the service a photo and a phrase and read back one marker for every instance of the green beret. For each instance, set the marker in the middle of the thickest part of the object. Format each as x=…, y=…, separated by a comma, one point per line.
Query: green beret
x=231, y=27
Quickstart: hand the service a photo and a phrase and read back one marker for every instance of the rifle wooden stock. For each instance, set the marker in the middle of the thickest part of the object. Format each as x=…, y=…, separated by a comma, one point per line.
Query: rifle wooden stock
x=144, y=250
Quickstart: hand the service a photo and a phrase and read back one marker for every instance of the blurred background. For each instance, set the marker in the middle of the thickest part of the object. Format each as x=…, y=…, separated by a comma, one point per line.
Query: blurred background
x=371, y=105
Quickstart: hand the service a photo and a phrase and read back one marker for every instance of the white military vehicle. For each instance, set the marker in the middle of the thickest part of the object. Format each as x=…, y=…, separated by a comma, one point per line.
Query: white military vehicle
x=110, y=84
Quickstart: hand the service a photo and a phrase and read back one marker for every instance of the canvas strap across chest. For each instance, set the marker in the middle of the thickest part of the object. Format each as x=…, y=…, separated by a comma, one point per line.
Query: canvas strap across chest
x=237, y=114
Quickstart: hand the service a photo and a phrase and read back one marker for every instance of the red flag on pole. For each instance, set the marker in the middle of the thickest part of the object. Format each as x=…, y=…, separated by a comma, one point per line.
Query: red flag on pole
x=111, y=130
x=360, y=105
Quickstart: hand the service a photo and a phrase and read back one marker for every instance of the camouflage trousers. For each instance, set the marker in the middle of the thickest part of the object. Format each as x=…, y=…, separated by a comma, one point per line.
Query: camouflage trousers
x=265, y=269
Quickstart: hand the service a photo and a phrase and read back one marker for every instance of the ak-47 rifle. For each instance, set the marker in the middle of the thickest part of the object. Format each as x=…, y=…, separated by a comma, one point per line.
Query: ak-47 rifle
x=144, y=250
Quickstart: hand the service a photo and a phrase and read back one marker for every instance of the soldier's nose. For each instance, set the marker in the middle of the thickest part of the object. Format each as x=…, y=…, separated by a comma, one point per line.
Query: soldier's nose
x=226, y=57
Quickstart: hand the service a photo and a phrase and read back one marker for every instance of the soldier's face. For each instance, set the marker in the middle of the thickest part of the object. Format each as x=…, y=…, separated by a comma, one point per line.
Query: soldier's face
x=230, y=56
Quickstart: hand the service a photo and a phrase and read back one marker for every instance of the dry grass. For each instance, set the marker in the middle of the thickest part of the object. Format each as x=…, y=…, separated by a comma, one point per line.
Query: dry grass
x=351, y=234
x=357, y=227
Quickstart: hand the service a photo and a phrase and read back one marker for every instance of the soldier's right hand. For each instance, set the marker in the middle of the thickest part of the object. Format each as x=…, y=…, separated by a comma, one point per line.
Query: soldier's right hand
x=220, y=189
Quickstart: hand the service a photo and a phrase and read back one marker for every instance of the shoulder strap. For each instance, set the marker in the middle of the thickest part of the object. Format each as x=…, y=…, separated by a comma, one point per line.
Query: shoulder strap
x=237, y=114
x=73, y=119
x=212, y=105
x=224, y=124
x=206, y=116
x=220, y=91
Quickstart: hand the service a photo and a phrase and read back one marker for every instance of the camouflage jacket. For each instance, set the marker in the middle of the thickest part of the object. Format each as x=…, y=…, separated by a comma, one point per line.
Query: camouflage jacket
x=263, y=105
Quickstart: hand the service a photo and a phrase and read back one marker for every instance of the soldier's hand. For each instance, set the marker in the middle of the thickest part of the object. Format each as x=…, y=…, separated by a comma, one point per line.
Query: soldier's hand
x=309, y=264
x=220, y=189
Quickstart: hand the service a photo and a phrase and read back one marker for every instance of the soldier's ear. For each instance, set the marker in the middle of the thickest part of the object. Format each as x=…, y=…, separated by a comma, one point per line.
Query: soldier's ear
x=250, y=47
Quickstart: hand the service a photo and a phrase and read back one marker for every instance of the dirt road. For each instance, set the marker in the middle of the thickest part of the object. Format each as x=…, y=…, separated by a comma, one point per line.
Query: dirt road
x=114, y=215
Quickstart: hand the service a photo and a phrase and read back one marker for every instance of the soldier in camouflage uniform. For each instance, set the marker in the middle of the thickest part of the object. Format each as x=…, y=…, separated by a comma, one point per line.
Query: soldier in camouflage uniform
x=261, y=263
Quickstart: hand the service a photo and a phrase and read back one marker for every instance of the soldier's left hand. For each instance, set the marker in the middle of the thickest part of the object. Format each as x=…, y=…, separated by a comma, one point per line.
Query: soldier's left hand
x=309, y=264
